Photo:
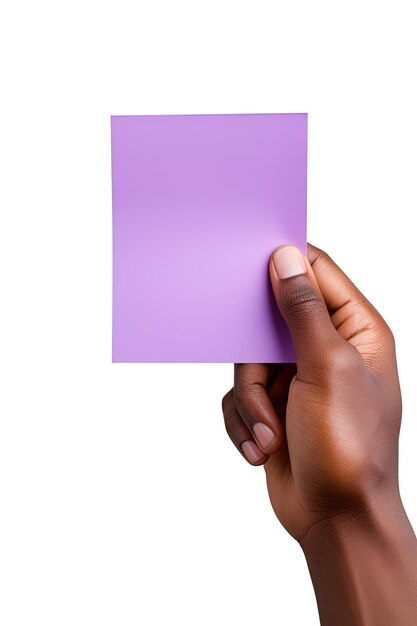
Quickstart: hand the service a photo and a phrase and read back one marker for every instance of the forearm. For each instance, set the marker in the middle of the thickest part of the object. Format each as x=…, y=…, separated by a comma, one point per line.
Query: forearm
x=364, y=567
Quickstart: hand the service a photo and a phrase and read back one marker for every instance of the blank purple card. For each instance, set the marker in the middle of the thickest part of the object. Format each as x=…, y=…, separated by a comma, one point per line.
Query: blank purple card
x=199, y=204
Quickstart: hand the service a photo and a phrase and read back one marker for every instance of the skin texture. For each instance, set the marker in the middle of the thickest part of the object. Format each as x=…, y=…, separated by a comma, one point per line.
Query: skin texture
x=326, y=431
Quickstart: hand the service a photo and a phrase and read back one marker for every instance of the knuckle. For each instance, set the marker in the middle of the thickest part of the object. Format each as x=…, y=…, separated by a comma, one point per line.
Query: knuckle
x=244, y=397
x=384, y=337
x=342, y=360
x=225, y=401
x=319, y=256
x=246, y=394
x=389, y=336
x=240, y=395
x=301, y=300
x=231, y=423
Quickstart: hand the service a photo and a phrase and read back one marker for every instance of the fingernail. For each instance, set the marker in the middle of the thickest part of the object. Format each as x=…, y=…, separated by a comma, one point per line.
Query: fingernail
x=263, y=434
x=288, y=261
x=251, y=452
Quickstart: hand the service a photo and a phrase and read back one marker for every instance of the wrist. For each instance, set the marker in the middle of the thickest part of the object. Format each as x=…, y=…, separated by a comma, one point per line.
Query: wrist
x=363, y=564
x=381, y=519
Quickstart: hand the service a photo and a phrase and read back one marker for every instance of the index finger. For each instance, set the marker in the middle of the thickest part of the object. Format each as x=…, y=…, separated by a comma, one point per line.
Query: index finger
x=353, y=316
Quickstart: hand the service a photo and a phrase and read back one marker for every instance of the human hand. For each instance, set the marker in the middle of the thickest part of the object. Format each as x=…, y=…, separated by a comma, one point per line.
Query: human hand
x=326, y=429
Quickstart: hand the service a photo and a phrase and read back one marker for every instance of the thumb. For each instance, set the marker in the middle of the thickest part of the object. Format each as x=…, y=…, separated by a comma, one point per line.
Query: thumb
x=304, y=310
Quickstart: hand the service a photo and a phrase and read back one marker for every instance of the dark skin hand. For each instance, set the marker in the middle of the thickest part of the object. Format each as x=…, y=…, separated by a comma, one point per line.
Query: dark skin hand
x=326, y=431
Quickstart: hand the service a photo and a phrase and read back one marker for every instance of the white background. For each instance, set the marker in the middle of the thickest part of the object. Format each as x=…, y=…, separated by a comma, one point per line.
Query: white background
x=122, y=500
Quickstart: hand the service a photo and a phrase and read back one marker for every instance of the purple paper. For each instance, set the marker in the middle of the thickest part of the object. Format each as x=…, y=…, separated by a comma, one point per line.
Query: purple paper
x=199, y=204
